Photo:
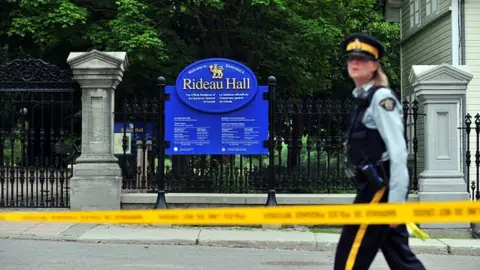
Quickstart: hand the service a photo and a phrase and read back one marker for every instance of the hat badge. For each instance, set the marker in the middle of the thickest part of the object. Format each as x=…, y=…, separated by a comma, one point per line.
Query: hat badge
x=357, y=45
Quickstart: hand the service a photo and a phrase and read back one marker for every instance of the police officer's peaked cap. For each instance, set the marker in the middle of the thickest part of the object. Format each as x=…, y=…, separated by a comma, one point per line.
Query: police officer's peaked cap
x=364, y=45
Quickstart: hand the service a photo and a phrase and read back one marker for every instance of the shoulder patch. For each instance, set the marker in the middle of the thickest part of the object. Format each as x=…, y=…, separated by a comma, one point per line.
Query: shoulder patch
x=388, y=104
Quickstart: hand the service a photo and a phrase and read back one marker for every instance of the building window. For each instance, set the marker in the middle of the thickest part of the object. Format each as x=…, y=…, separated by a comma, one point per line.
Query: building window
x=431, y=6
x=410, y=122
x=414, y=12
x=417, y=12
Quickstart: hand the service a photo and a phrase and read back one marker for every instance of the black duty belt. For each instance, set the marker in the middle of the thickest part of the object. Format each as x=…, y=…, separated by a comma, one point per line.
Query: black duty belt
x=377, y=174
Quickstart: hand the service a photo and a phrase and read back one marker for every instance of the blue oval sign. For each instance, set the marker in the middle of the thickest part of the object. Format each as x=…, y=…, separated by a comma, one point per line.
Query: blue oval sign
x=216, y=85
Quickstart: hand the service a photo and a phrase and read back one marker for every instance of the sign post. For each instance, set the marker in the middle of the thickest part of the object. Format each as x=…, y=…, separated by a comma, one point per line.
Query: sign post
x=161, y=202
x=216, y=107
x=271, y=199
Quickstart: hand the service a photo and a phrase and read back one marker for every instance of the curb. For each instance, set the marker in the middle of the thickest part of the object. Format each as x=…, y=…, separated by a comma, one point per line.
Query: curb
x=285, y=245
x=476, y=230
x=314, y=245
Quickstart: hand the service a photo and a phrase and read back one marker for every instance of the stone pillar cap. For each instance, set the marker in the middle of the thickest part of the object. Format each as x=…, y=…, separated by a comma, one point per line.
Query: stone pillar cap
x=443, y=74
x=96, y=60
x=95, y=69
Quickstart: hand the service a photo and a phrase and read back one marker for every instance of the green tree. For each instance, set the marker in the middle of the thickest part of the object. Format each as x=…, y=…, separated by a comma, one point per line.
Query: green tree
x=295, y=40
x=298, y=41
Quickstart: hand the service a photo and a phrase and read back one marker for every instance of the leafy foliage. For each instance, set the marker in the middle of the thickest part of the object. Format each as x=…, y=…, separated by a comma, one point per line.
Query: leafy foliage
x=295, y=40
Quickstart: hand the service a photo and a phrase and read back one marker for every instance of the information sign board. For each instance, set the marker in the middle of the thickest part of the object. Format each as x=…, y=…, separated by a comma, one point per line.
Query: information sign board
x=216, y=107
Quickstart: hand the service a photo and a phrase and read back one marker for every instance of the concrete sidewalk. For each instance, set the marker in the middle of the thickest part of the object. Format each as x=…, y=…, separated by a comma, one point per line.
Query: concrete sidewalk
x=226, y=237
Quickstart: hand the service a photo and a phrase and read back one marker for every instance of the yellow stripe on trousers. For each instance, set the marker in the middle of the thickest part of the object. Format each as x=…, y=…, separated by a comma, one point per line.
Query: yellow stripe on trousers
x=352, y=256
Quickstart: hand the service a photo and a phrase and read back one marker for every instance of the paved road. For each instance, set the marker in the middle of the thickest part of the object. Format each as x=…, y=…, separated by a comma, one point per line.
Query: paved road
x=43, y=255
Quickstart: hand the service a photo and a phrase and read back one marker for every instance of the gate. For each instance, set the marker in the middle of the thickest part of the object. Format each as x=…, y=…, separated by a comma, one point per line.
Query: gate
x=308, y=152
x=36, y=134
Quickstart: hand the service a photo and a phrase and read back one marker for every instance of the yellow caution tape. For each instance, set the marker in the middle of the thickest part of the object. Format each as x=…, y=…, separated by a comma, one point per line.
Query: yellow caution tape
x=431, y=212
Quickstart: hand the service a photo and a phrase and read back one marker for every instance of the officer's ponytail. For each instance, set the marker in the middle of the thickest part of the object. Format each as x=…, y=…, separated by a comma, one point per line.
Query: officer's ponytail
x=380, y=77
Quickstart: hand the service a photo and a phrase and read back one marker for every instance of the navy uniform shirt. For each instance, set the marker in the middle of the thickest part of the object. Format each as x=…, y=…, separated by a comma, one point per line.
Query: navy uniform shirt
x=385, y=114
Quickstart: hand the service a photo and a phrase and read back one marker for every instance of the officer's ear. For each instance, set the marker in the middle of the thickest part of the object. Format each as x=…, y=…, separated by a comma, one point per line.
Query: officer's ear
x=373, y=66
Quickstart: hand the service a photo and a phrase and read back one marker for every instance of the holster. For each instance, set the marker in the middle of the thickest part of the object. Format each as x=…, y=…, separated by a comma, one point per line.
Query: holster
x=377, y=175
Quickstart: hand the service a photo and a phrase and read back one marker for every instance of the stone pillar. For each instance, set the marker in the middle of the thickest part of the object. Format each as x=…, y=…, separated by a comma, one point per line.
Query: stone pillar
x=439, y=89
x=97, y=177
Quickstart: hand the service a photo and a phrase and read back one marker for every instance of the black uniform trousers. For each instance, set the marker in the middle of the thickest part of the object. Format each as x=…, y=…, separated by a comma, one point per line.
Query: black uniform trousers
x=359, y=244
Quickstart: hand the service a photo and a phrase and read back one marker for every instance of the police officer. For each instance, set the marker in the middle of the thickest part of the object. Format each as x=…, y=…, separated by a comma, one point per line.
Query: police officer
x=376, y=160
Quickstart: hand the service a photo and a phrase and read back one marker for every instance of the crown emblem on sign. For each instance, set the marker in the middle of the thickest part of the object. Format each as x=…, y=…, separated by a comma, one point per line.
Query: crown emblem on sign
x=217, y=71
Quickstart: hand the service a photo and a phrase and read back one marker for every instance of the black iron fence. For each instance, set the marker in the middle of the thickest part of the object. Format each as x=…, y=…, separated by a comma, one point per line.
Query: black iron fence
x=37, y=148
x=472, y=183
x=308, y=152
x=411, y=116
